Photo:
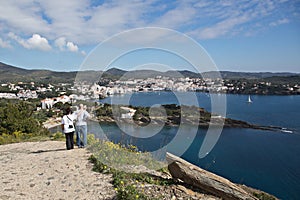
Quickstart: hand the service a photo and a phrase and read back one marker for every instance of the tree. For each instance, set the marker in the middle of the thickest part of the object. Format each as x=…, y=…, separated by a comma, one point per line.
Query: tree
x=18, y=117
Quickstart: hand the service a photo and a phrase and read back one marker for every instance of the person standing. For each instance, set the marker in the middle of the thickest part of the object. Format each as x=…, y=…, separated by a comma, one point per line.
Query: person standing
x=68, y=128
x=81, y=126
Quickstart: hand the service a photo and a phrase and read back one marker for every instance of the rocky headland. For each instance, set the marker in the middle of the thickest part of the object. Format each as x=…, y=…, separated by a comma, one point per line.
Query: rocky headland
x=171, y=115
x=45, y=170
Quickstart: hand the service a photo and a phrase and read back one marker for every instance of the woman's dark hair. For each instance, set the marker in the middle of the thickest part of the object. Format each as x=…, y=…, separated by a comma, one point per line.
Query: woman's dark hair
x=68, y=110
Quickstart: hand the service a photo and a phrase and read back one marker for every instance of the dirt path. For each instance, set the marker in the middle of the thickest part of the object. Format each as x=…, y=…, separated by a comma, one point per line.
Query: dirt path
x=45, y=170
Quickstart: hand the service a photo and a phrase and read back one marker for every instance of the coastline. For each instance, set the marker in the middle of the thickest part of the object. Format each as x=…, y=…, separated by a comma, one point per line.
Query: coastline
x=228, y=123
x=231, y=124
x=110, y=120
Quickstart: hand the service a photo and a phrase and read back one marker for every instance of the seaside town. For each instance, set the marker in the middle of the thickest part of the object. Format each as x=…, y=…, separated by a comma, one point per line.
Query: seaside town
x=150, y=100
x=66, y=92
x=51, y=99
x=46, y=95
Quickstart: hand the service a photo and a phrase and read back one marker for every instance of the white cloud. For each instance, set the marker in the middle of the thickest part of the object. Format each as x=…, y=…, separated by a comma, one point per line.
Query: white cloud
x=221, y=28
x=65, y=45
x=78, y=21
x=35, y=42
x=181, y=15
x=38, y=42
x=280, y=22
x=5, y=44
x=239, y=18
x=22, y=16
x=84, y=24
x=72, y=47
x=17, y=38
x=60, y=43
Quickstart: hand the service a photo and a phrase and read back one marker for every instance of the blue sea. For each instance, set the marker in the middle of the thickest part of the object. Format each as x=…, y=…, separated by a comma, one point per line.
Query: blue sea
x=265, y=160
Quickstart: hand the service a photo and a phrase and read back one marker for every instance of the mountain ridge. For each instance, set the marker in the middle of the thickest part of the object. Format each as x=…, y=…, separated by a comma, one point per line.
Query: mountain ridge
x=9, y=73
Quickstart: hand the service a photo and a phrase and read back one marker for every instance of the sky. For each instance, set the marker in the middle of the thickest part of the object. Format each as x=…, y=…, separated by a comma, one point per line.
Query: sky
x=244, y=35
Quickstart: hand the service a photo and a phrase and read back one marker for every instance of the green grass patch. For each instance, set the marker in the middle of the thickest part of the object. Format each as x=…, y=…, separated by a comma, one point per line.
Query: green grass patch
x=128, y=186
x=117, y=156
x=18, y=136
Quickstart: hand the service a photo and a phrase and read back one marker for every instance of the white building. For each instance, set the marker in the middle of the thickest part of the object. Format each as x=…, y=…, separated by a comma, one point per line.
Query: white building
x=129, y=112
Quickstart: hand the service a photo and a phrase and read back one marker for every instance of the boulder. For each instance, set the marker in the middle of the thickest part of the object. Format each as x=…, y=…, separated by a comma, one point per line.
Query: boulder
x=204, y=180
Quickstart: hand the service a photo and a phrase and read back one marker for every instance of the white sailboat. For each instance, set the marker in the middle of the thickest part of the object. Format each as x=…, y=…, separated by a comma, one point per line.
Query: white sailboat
x=249, y=99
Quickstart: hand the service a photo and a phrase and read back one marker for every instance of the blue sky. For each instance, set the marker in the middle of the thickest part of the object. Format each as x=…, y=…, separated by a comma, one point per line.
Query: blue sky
x=245, y=35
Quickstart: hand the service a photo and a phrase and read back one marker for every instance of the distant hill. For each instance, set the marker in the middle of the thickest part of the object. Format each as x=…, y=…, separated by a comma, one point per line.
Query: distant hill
x=4, y=68
x=10, y=73
x=185, y=73
x=253, y=75
x=115, y=71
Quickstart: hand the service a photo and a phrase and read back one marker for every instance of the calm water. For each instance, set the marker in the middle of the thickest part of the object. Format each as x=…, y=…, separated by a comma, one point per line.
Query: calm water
x=262, y=159
x=283, y=111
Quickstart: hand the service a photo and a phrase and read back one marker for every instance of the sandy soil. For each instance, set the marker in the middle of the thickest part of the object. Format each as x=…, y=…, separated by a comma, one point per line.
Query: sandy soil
x=45, y=170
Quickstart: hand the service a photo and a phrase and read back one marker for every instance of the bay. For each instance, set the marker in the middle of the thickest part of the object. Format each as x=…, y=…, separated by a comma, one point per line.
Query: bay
x=264, y=160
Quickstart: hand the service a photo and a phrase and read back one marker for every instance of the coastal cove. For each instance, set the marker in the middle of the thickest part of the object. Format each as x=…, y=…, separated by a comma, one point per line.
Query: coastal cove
x=265, y=160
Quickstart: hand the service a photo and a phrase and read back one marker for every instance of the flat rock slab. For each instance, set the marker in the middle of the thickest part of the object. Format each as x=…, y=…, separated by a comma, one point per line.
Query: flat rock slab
x=46, y=170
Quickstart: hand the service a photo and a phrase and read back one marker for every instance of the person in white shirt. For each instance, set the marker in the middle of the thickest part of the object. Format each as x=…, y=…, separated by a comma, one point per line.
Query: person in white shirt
x=81, y=126
x=68, y=128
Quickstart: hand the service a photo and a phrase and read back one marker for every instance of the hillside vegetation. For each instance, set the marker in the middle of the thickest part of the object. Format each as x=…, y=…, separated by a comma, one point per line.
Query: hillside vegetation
x=10, y=73
x=17, y=122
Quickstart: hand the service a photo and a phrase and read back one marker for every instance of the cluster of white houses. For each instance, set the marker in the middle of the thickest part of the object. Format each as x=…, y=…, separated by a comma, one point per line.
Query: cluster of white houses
x=48, y=103
x=84, y=91
x=170, y=84
x=151, y=84
x=24, y=94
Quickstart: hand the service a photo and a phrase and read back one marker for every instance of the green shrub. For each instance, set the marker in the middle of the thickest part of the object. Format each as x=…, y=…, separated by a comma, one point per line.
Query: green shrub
x=18, y=136
x=116, y=156
x=126, y=184
x=17, y=122
x=58, y=136
x=264, y=196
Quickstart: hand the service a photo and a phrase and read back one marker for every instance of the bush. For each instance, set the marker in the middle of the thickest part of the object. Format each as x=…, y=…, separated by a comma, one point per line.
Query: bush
x=21, y=137
x=18, y=118
x=264, y=196
x=58, y=136
x=127, y=185
x=116, y=156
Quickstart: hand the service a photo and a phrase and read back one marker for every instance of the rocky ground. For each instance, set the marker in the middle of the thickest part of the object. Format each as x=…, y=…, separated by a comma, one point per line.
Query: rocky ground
x=45, y=170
